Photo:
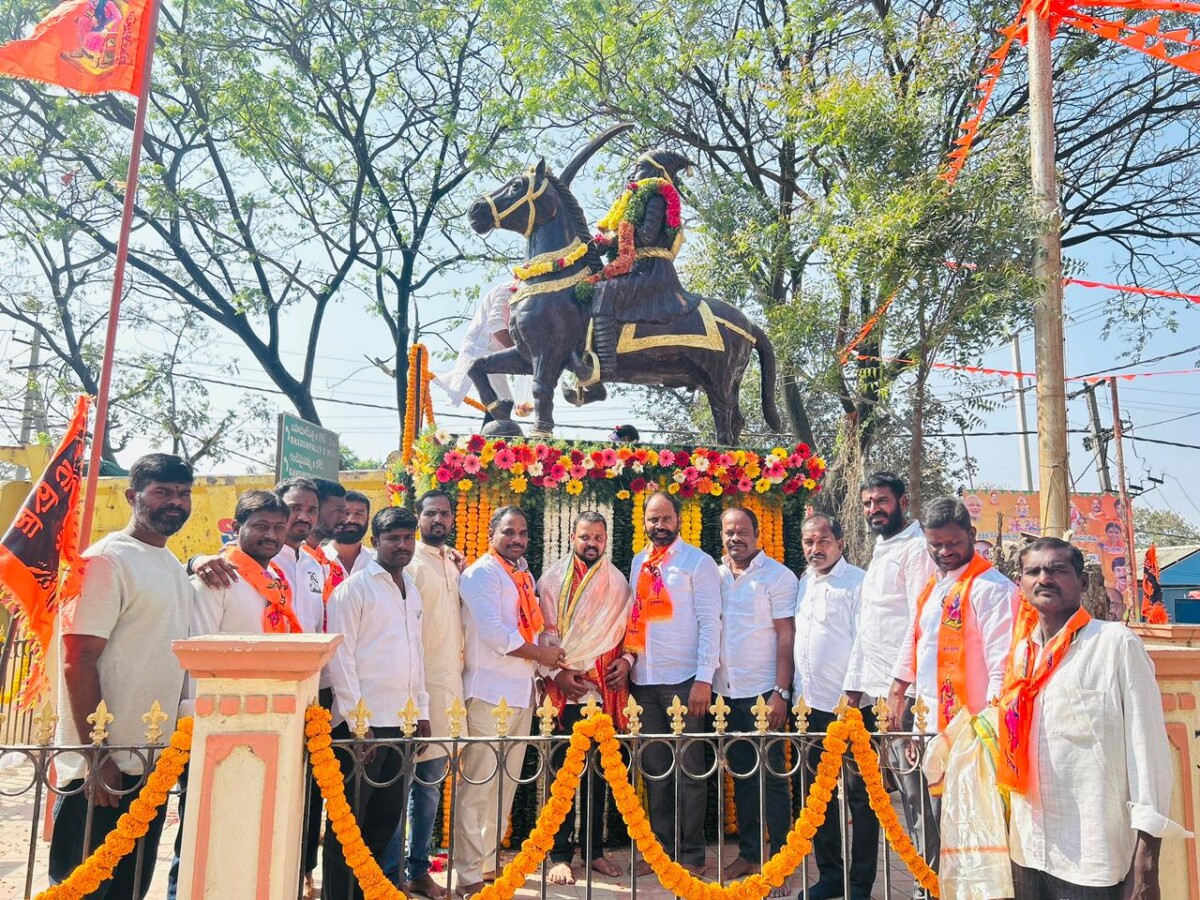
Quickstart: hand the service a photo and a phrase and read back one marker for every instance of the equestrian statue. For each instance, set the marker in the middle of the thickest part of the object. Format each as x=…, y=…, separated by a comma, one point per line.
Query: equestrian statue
x=628, y=320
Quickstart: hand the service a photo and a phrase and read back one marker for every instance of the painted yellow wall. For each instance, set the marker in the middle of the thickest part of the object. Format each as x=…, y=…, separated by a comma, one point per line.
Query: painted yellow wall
x=213, y=499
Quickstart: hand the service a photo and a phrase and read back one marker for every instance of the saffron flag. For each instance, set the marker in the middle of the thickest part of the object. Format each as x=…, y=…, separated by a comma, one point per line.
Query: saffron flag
x=1153, y=610
x=39, y=552
x=90, y=46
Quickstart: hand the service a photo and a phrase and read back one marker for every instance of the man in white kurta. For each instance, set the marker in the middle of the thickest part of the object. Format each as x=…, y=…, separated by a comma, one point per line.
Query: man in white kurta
x=501, y=621
x=380, y=661
x=1092, y=802
x=827, y=617
x=347, y=548
x=486, y=333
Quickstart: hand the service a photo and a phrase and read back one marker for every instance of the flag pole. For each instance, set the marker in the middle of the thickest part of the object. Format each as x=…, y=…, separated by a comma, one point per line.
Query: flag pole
x=114, y=305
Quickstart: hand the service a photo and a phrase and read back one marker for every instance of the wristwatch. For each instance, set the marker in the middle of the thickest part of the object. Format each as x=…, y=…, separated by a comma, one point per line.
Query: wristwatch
x=783, y=692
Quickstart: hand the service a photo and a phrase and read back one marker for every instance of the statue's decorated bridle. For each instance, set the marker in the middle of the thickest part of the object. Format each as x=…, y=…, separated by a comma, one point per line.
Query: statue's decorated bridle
x=530, y=196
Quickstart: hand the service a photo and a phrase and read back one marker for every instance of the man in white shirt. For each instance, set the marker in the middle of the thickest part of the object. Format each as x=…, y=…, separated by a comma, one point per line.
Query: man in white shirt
x=758, y=631
x=502, y=621
x=675, y=632
x=956, y=645
x=1083, y=744
x=116, y=645
x=331, y=509
x=347, y=548
x=380, y=661
x=435, y=570
x=826, y=623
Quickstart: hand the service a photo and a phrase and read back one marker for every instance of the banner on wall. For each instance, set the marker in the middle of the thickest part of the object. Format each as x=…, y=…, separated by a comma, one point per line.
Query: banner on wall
x=1097, y=526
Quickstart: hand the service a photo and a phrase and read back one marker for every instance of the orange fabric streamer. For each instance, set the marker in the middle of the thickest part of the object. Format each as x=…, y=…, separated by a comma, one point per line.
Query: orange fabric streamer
x=1130, y=289
x=651, y=601
x=866, y=329
x=952, y=639
x=90, y=46
x=1021, y=690
x=530, y=621
x=279, y=616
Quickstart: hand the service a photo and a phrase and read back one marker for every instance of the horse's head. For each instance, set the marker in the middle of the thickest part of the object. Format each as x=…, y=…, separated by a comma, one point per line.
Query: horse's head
x=521, y=203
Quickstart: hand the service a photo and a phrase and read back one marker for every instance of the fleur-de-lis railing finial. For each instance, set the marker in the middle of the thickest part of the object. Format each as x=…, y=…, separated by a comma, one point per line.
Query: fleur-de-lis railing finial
x=881, y=715
x=801, y=711
x=761, y=710
x=43, y=724
x=502, y=713
x=591, y=708
x=546, y=713
x=633, y=716
x=154, y=720
x=920, y=714
x=456, y=713
x=843, y=707
x=100, y=720
x=409, y=716
x=720, y=711
x=360, y=715
x=677, y=709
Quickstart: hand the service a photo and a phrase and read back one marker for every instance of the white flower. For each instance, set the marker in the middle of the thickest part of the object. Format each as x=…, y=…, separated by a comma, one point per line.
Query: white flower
x=441, y=437
x=534, y=469
x=618, y=467
x=463, y=440
x=637, y=466
x=701, y=463
x=588, y=463
x=679, y=477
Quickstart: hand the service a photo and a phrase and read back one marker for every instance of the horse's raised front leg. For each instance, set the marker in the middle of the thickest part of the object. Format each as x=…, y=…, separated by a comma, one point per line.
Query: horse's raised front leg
x=502, y=362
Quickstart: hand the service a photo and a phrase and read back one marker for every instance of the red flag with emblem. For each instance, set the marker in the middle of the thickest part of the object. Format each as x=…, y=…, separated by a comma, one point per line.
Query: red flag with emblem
x=39, y=552
x=1153, y=610
x=91, y=46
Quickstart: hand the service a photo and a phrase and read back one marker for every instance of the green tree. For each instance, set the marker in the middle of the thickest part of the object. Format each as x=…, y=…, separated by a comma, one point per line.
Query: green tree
x=1163, y=527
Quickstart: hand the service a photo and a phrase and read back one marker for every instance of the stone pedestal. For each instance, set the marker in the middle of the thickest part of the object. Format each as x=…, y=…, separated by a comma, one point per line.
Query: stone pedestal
x=245, y=796
x=1175, y=650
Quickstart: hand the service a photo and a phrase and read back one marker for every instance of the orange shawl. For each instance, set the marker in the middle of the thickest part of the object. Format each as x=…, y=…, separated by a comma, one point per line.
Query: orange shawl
x=651, y=600
x=952, y=642
x=529, y=612
x=278, y=615
x=1022, y=687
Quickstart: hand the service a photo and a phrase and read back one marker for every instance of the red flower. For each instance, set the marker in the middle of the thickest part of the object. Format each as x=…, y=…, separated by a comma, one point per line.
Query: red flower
x=791, y=485
x=476, y=443
x=499, y=445
x=596, y=472
x=543, y=452
x=443, y=475
x=637, y=485
x=576, y=457
x=687, y=490
x=671, y=196
x=683, y=459
x=558, y=472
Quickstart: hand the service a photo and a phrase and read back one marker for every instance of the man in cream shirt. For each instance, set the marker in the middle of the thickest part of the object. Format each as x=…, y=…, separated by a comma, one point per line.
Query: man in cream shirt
x=502, y=621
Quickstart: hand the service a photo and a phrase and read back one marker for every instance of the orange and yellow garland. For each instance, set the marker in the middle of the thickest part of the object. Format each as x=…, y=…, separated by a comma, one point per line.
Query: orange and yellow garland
x=674, y=877
x=119, y=843
x=419, y=379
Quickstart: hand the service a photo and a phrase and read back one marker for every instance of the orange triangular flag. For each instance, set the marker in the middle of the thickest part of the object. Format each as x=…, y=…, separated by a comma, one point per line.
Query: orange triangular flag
x=1189, y=61
x=1179, y=36
x=90, y=46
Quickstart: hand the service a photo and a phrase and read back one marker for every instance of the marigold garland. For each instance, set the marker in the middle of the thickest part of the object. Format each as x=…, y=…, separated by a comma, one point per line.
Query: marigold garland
x=599, y=730
x=119, y=843
x=547, y=263
x=418, y=392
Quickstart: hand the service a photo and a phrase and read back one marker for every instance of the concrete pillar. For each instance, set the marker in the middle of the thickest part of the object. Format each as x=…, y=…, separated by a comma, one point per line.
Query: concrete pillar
x=245, y=796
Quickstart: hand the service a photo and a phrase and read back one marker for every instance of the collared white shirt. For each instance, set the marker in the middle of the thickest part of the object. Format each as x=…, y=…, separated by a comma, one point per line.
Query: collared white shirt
x=436, y=577
x=988, y=625
x=490, y=603
x=900, y=566
x=381, y=657
x=237, y=609
x=1100, y=763
x=689, y=643
x=365, y=555
x=306, y=576
x=826, y=624
x=750, y=604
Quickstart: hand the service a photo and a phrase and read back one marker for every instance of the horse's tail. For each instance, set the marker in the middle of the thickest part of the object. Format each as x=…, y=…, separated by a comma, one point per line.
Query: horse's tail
x=766, y=366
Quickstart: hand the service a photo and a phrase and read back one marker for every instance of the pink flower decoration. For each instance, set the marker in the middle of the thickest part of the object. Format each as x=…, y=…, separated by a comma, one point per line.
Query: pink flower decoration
x=505, y=458
x=442, y=475
x=543, y=452
x=666, y=458
x=691, y=473
x=578, y=472
x=745, y=485
x=471, y=464
x=453, y=458
x=608, y=457
x=558, y=472
x=725, y=460
x=775, y=470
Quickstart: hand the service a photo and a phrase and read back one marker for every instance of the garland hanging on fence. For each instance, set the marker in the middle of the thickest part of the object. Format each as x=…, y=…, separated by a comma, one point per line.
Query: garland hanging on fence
x=674, y=877
x=119, y=843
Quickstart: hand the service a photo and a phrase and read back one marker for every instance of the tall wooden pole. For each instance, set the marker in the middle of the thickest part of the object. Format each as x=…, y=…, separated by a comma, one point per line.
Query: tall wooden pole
x=1053, y=476
x=1132, y=608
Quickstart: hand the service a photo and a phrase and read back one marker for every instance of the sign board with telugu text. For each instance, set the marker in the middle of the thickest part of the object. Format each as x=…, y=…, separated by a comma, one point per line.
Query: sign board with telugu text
x=305, y=450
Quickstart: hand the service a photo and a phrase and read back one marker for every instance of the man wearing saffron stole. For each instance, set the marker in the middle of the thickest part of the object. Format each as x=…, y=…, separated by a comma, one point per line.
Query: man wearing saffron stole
x=1083, y=745
x=675, y=632
x=957, y=642
x=502, y=620
x=585, y=601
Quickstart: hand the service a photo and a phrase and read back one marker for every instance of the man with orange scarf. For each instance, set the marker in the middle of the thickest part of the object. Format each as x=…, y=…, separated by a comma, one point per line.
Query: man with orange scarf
x=957, y=642
x=675, y=632
x=585, y=603
x=1083, y=745
x=501, y=621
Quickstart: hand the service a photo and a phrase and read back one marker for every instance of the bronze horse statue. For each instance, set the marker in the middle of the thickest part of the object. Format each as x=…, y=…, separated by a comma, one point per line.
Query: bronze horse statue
x=707, y=349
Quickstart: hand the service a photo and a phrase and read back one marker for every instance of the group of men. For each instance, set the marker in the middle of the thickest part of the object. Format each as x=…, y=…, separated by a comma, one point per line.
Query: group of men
x=1081, y=721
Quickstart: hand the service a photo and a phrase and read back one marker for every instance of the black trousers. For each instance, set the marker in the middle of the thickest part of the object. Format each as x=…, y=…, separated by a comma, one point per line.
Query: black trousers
x=1034, y=884
x=864, y=825
x=377, y=810
x=776, y=800
x=591, y=824
x=67, y=849
x=655, y=699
